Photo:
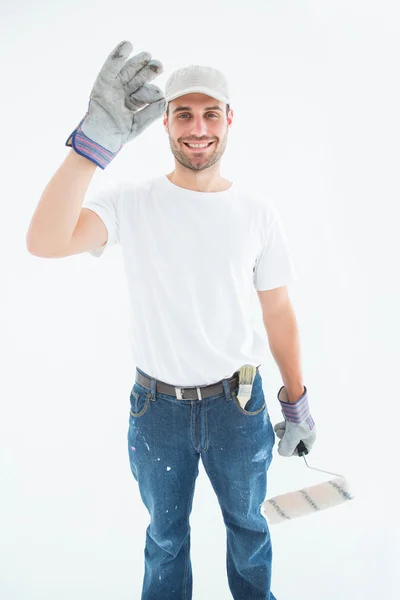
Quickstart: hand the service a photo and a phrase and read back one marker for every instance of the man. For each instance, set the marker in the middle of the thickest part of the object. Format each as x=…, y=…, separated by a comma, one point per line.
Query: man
x=195, y=247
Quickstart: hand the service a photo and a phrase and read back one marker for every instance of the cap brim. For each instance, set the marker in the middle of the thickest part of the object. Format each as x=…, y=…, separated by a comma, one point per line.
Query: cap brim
x=201, y=89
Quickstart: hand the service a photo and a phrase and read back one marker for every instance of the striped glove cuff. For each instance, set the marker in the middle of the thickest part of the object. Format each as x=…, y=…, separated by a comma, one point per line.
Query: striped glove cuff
x=86, y=147
x=298, y=411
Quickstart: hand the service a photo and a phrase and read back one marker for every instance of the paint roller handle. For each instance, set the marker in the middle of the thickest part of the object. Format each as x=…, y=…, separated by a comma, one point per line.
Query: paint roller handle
x=301, y=448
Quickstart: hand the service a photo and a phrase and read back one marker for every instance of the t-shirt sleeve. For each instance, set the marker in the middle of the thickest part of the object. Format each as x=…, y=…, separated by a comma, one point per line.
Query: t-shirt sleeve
x=105, y=205
x=274, y=265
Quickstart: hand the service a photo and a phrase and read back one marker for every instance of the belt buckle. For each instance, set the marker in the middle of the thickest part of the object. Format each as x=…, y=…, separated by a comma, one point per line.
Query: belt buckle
x=179, y=393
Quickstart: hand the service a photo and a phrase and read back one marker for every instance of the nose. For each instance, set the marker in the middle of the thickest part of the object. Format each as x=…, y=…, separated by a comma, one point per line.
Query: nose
x=198, y=127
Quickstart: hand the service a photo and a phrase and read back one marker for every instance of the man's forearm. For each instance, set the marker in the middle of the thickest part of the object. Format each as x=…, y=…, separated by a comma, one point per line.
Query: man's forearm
x=284, y=343
x=59, y=207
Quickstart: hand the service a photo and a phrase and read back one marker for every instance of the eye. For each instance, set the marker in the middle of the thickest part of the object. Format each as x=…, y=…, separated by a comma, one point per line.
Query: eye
x=208, y=114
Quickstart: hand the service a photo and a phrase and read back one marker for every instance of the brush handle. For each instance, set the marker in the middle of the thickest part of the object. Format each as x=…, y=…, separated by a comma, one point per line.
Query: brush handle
x=301, y=448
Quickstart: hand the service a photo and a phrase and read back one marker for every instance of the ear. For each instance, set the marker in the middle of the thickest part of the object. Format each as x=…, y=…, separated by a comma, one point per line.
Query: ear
x=165, y=122
x=230, y=118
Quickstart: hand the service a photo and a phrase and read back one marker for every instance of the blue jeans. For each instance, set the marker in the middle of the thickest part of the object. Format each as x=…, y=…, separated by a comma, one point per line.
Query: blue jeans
x=166, y=438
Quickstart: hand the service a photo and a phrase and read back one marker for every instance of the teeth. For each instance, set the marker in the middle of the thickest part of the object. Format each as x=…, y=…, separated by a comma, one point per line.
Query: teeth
x=198, y=145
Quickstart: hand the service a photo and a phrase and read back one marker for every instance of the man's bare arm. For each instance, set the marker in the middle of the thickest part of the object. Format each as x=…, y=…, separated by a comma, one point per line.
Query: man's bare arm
x=284, y=341
x=60, y=205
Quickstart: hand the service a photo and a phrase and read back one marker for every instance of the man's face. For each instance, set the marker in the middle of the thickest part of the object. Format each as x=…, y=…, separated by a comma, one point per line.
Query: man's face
x=197, y=119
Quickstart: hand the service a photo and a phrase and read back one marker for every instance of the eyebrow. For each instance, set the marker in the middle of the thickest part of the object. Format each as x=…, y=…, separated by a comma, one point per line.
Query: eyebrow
x=189, y=108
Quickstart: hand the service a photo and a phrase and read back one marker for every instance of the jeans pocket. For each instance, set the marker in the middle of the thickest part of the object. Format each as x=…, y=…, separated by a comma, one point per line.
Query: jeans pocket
x=254, y=405
x=139, y=400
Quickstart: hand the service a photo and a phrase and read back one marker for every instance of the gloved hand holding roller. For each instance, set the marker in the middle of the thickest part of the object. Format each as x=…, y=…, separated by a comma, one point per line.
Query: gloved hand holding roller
x=297, y=434
x=122, y=104
x=298, y=425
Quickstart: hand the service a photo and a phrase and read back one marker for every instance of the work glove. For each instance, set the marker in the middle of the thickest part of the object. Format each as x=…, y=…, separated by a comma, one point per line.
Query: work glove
x=297, y=427
x=114, y=116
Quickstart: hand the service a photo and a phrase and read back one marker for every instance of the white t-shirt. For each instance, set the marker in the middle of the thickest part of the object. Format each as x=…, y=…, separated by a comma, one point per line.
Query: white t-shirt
x=193, y=261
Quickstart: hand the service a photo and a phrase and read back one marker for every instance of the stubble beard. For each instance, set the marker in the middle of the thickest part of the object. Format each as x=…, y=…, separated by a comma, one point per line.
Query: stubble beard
x=198, y=163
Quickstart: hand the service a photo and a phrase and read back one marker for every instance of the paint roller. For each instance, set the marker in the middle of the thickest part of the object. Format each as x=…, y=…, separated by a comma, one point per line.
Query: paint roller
x=308, y=500
x=301, y=502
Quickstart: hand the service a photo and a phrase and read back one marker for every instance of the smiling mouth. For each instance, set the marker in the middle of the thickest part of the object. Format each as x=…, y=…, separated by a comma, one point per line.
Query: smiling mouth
x=198, y=148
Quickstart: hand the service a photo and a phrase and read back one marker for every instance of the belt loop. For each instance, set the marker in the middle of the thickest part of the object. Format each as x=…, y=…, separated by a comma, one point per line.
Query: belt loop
x=227, y=389
x=198, y=393
x=178, y=393
x=153, y=385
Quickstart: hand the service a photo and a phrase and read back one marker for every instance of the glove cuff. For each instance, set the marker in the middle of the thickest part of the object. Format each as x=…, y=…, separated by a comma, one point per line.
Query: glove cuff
x=298, y=411
x=91, y=150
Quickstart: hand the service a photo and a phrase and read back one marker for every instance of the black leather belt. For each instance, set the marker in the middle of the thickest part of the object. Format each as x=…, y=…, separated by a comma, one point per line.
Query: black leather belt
x=189, y=393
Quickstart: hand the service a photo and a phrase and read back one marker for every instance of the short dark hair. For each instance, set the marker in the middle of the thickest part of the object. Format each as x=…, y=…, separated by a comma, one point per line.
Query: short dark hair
x=227, y=109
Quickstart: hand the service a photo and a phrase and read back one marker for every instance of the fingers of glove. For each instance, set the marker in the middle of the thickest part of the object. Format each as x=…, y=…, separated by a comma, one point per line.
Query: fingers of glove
x=115, y=60
x=287, y=447
x=146, y=116
x=146, y=94
x=147, y=73
x=280, y=427
x=289, y=442
x=132, y=66
x=293, y=433
x=290, y=449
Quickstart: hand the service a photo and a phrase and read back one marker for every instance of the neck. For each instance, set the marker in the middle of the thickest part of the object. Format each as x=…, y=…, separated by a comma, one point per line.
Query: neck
x=209, y=180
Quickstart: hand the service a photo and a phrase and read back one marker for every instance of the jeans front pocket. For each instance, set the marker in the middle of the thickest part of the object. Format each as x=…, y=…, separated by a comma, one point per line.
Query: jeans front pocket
x=256, y=403
x=139, y=400
x=253, y=406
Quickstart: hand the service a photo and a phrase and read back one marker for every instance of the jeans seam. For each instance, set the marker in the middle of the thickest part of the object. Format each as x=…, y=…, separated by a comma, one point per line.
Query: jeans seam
x=187, y=544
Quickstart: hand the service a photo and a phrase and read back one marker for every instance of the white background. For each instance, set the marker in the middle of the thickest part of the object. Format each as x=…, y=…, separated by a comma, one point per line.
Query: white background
x=315, y=94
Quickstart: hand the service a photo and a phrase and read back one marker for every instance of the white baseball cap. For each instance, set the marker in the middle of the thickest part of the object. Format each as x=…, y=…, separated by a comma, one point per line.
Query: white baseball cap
x=195, y=78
